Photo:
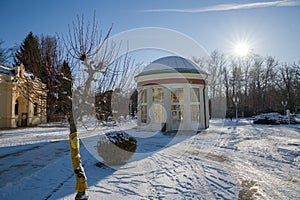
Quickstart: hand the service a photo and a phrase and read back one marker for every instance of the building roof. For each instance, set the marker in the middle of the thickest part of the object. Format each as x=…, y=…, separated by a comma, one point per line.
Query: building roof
x=6, y=70
x=13, y=71
x=171, y=64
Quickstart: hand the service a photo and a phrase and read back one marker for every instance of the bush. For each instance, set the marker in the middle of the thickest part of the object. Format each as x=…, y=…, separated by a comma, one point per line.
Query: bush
x=273, y=118
x=116, y=147
x=267, y=118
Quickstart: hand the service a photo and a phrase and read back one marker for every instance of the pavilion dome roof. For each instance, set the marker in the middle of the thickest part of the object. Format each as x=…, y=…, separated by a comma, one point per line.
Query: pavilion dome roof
x=171, y=64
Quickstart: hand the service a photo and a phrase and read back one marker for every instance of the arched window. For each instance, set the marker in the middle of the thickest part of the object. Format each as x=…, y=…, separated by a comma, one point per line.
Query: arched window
x=17, y=107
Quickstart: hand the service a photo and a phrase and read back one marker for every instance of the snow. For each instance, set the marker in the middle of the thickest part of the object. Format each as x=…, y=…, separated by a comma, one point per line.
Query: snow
x=6, y=70
x=275, y=118
x=230, y=160
x=172, y=64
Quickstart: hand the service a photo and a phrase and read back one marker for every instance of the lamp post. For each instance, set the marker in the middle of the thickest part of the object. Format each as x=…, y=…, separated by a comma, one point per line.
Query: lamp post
x=284, y=103
x=236, y=101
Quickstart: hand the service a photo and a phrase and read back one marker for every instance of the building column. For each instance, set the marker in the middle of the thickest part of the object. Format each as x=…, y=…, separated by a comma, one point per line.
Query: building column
x=202, y=113
x=11, y=107
x=149, y=102
x=206, y=107
x=139, y=122
x=186, y=108
x=167, y=106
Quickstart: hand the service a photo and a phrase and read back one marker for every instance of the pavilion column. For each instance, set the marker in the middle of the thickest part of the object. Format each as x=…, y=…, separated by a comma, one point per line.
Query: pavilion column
x=187, y=107
x=149, y=102
x=206, y=107
x=139, y=113
x=202, y=113
x=167, y=106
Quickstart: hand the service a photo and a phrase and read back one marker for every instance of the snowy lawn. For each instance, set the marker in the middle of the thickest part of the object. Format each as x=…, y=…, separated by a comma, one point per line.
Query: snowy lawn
x=227, y=161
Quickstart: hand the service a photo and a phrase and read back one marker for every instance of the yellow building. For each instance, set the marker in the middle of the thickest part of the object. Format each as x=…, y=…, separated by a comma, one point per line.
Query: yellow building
x=22, y=98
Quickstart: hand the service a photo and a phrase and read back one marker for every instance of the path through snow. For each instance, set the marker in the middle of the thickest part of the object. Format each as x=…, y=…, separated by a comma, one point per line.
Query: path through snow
x=227, y=161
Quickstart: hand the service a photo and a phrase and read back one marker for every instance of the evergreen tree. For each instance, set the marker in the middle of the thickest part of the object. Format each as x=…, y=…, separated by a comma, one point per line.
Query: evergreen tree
x=29, y=55
x=3, y=53
x=65, y=92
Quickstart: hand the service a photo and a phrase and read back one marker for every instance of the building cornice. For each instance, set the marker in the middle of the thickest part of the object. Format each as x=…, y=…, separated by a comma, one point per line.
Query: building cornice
x=172, y=81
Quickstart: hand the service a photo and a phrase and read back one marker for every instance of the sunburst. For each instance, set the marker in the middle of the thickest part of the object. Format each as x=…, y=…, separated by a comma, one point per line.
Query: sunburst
x=242, y=49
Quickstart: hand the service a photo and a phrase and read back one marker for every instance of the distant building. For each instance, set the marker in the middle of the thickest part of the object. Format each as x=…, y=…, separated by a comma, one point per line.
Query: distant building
x=22, y=97
x=172, y=95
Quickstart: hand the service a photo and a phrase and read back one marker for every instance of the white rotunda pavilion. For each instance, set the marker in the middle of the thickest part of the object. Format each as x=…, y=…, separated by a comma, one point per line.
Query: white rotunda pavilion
x=172, y=95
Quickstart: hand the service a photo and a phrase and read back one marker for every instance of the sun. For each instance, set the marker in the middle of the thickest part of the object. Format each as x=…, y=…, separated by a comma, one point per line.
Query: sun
x=241, y=49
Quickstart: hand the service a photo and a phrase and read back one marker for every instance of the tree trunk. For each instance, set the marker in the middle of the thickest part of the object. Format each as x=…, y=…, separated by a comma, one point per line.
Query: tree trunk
x=81, y=180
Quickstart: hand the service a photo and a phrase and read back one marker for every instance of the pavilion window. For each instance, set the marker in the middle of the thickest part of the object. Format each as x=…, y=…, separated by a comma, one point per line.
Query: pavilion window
x=144, y=114
x=195, y=104
x=157, y=95
x=144, y=96
x=195, y=95
x=195, y=113
x=177, y=95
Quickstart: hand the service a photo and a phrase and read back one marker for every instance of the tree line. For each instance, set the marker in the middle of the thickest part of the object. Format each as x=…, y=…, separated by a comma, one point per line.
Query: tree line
x=258, y=84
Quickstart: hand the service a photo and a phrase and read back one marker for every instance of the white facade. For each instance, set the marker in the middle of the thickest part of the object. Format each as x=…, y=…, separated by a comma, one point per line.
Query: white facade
x=172, y=95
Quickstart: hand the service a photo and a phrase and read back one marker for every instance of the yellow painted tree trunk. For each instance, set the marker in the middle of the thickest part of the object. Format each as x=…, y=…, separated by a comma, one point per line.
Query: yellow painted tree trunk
x=81, y=180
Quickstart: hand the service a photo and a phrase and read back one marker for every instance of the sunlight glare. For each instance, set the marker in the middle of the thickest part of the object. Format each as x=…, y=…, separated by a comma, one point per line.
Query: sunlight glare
x=242, y=49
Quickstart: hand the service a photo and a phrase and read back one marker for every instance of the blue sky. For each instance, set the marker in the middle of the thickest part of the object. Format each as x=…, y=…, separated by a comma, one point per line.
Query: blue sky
x=271, y=27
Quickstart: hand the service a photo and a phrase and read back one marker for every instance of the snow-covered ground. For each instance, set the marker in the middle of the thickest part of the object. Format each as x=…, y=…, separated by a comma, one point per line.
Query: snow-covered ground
x=230, y=160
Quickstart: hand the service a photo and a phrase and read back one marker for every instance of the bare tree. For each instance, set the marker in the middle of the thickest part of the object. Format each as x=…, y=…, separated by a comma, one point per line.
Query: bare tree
x=297, y=85
x=101, y=68
x=287, y=82
x=260, y=83
x=49, y=49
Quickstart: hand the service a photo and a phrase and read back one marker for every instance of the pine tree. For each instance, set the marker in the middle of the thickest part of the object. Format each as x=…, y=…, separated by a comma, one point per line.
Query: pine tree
x=3, y=53
x=29, y=55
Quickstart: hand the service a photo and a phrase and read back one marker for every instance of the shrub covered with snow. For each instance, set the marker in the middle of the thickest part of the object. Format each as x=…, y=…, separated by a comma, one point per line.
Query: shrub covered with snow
x=297, y=118
x=116, y=147
x=273, y=118
x=267, y=118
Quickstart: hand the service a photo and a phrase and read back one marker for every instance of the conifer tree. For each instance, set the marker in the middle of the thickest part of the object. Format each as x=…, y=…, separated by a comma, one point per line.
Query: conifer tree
x=29, y=55
x=3, y=53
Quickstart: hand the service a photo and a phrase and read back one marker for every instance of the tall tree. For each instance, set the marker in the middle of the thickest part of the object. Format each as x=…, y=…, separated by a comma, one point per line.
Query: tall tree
x=49, y=71
x=246, y=64
x=255, y=84
x=268, y=78
x=99, y=63
x=216, y=64
x=297, y=85
x=3, y=53
x=236, y=82
x=288, y=83
x=29, y=55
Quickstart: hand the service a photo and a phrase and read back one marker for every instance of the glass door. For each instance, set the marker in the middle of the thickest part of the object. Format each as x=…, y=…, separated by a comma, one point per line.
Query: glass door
x=177, y=116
